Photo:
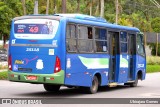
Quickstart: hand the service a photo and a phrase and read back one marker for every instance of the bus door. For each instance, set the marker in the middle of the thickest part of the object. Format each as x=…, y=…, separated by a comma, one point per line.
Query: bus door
x=131, y=52
x=124, y=58
x=114, y=50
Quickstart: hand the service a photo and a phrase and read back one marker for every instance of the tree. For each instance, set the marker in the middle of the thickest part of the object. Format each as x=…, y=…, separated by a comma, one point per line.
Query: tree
x=90, y=7
x=117, y=11
x=55, y=8
x=47, y=8
x=29, y=6
x=35, y=6
x=97, y=8
x=5, y=19
x=14, y=5
x=78, y=5
x=63, y=6
x=102, y=8
x=24, y=6
x=156, y=24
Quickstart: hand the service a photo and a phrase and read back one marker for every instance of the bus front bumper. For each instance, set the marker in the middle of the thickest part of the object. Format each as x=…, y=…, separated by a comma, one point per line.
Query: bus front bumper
x=56, y=78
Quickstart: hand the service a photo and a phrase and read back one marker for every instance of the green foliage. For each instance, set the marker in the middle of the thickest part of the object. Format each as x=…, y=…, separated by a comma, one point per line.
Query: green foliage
x=137, y=13
x=5, y=19
x=153, y=68
x=15, y=6
x=124, y=20
x=29, y=6
x=3, y=75
x=156, y=24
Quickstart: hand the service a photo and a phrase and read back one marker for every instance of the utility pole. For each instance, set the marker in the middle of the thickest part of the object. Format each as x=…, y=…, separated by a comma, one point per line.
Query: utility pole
x=63, y=6
x=36, y=7
x=117, y=11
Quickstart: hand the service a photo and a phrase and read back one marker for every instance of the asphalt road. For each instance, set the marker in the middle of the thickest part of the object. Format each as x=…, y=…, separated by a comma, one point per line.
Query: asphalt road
x=149, y=88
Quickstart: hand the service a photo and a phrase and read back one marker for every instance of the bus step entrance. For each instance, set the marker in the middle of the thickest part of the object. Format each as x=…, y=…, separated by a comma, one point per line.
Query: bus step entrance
x=114, y=84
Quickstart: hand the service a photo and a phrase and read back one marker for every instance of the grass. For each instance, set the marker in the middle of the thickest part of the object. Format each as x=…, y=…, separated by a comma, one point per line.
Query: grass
x=153, y=60
x=153, y=68
x=3, y=67
x=153, y=64
x=3, y=75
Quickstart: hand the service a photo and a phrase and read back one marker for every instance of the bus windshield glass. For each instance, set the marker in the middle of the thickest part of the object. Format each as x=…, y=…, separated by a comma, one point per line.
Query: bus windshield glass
x=35, y=28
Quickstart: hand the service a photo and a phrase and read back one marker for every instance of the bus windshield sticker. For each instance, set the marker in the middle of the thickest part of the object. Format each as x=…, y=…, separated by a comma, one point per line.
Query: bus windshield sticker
x=29, y=60
x=35, y=28
x=104, y=48
x=15, y=67
x=54, y=43
x=39, y=64
x=91, y=62
x=68, y=63
x=123, y=63
x=51, y=51
x=13, y=41
x=140, y=65
x=20, y=62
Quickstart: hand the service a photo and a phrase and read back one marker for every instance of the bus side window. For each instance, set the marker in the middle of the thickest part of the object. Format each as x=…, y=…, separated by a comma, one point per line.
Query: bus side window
x=101, y=40
x=90, y=36
x=85, y=42
x=71, y=38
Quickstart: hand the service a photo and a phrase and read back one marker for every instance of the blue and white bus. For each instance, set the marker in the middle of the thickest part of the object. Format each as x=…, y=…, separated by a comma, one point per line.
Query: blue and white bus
x=74, y=50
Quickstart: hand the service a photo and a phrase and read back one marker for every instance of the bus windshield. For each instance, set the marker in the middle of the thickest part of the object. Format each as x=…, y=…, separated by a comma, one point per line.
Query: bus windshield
x=35, y=28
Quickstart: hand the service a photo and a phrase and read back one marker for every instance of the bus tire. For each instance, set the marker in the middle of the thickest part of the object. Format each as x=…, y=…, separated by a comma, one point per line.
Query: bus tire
x=93, y=89
x=134, y=84
x=51, y=88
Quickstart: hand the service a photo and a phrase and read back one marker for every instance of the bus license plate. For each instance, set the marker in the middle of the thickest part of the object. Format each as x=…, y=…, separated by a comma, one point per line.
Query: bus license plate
x=30, y=77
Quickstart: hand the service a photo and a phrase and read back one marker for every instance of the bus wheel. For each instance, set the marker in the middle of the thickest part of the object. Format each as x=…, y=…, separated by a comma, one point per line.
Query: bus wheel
x=51, y=88
x=134, y=84
x=93, y=89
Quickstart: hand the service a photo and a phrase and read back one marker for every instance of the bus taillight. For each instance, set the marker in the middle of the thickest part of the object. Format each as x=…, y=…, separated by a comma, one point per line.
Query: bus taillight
x=10, y=62
x=57, y=67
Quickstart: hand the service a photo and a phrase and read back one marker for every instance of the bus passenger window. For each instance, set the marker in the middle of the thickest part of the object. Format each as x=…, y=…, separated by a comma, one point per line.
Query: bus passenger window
x=85, y=40
x=71, y=38
x=101, y=40
x=90, y=33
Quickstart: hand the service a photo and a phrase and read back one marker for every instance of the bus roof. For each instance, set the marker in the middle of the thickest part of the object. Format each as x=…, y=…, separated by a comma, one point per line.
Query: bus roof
x=86, y=20
x=82, y=17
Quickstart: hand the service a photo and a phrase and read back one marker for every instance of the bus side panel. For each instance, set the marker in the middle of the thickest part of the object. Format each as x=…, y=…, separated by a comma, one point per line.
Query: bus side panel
x=141, y=66
x=62, y=43
x=80, y=69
